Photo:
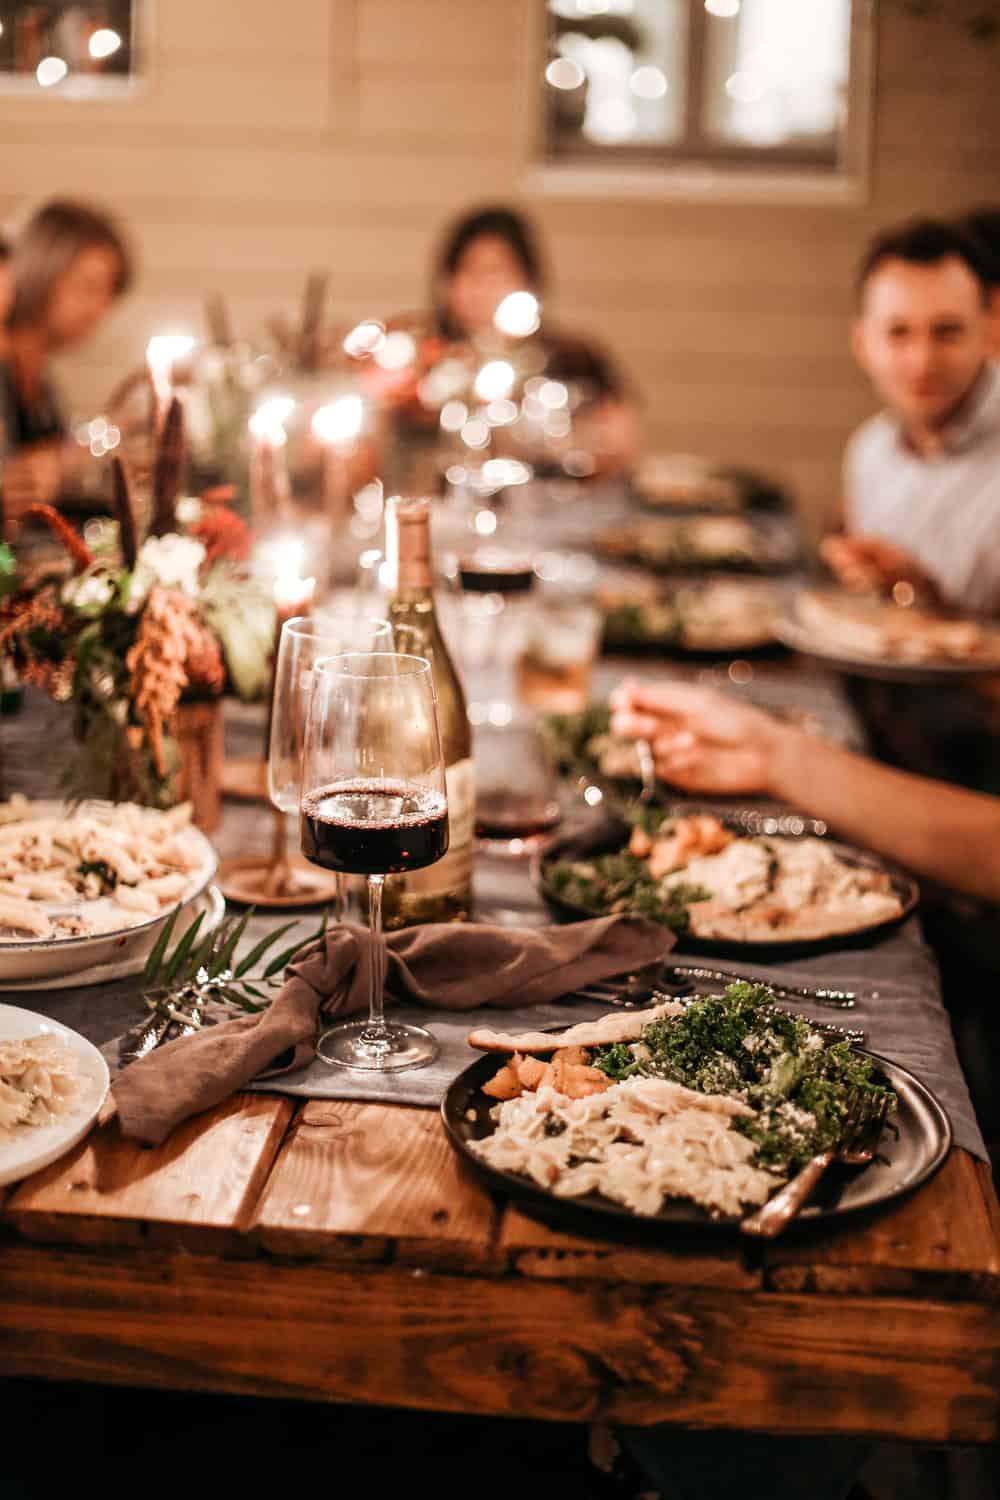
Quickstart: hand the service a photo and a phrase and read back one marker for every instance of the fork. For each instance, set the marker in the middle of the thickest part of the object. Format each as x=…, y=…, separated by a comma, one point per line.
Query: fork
x=639, y=987
x=839, y=999
x=862, y=1126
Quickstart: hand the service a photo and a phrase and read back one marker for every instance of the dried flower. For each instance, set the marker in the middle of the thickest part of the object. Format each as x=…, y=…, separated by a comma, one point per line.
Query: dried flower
x=173, y=650
x=169, y=562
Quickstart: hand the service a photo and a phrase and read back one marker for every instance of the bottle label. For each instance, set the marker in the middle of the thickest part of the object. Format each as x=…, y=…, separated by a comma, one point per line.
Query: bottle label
x=442, y=892
x=454, y=871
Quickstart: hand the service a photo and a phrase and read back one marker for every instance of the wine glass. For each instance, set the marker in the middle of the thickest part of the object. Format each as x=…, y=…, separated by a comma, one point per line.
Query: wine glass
x=374, y=803
x=303, y=641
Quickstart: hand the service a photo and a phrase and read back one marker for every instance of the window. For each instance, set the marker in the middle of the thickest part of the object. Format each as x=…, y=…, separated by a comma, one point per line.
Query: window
x=75, y=47
x=739, y=83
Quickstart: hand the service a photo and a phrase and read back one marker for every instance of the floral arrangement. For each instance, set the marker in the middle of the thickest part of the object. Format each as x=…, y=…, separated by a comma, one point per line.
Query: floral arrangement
x=127, y=632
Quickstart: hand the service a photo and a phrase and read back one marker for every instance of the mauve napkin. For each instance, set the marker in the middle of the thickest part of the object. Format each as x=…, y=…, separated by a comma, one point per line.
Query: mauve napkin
x=447, y=967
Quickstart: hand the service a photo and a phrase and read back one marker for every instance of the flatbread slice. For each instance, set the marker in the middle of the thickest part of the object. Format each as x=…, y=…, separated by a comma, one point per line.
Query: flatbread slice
x=620, y=1027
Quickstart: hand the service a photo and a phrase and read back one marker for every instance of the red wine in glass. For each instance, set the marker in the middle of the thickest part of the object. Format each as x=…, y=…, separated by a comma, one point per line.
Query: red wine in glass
x=359, y=827
x=509, y=814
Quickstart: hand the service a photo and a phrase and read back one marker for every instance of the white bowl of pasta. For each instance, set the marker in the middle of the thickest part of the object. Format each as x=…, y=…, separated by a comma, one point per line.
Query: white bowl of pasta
x=90, y=883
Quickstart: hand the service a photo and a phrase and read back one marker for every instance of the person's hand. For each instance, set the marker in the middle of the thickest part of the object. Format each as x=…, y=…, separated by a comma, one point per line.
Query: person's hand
x=32, y=476
x=862, y=563
x=702, y=741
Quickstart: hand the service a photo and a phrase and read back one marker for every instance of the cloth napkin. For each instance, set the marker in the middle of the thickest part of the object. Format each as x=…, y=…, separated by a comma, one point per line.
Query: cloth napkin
x=441, y=966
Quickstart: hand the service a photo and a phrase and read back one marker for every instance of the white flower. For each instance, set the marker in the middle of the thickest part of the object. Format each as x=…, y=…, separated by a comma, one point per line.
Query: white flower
x=189, y=509
x=89, y=591
x=171, y=561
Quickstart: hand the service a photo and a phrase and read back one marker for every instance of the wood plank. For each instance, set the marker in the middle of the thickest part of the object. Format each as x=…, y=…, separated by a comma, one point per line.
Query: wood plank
x=425, y=107
x=197, y=1190
x=362, y=1181
x=533, y=1249
x=579, y=1351
x=394, y=35
x=198, y=90
x=234, y=26
x=942, y=1241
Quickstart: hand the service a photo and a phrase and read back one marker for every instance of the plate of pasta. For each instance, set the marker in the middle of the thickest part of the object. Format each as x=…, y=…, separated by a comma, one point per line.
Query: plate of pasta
x=91, y=883
x=52, y=1085
x=684, y=1116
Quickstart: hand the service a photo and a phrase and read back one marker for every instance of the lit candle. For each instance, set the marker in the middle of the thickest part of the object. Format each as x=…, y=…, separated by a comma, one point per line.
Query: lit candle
x=292, y=593
x=292, y=596
x=270, y=491
x=518, y=315
x=337, y=426
x=162, y=352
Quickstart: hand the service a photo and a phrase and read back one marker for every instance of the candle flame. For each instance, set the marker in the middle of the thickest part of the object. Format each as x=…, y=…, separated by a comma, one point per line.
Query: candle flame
x=339, y=421
x=518, y=315
x=291, y=590
x=268, y=421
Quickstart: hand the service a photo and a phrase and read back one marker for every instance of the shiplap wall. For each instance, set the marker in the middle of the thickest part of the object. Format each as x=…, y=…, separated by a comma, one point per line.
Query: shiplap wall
x=274, y=136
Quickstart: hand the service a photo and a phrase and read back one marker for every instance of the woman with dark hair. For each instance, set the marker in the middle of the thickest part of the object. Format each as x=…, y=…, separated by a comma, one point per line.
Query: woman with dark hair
x=486, y=255
x=69, y=264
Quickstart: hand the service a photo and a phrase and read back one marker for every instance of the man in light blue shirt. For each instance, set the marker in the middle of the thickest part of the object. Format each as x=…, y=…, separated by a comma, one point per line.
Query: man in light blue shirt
x=922, y=478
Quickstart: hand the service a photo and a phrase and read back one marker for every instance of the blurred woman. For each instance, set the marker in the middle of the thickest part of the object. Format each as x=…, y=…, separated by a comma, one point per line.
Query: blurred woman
x=70, y=263
x=484, y=257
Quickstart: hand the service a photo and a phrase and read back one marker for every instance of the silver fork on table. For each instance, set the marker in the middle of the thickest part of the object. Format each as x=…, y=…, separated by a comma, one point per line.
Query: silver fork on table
x=638, y=996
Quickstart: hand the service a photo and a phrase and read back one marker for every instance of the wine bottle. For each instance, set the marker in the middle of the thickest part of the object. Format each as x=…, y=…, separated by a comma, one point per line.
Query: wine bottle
x=442, y=892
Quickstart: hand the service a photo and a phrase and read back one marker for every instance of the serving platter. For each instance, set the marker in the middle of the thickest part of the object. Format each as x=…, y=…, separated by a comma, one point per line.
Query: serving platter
x=43, y=959
x=912, y=1149
x=210, y=901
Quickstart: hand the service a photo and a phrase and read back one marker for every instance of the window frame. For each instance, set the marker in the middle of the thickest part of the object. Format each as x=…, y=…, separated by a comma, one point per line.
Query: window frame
x=698, y=165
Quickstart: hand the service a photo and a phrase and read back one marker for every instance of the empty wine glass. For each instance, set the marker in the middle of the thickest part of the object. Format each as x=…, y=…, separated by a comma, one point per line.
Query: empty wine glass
x=304, y=641
x=374, y=804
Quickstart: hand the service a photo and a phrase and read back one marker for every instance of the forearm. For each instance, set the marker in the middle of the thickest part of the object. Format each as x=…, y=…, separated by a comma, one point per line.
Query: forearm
x=945, y=833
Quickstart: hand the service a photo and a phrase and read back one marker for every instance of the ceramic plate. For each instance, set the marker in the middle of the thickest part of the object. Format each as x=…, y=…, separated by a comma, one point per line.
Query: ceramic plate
x=912, y=1148
x=50, y=958
x=27, y=1149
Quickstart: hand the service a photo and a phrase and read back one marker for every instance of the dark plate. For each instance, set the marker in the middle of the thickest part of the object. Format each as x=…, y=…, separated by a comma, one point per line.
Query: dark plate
x=777, y=549
x=883, y=669
x=758, y=493
x=905, y=1160
x=669, y=646
x=612, y=835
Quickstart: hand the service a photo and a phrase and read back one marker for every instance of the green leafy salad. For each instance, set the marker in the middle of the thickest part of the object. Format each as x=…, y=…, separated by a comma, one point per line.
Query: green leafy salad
x=621, y=881
x=739, y=1044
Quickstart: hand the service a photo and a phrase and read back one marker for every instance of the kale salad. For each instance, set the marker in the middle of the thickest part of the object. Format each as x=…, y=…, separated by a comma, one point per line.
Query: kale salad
x=740, y=1044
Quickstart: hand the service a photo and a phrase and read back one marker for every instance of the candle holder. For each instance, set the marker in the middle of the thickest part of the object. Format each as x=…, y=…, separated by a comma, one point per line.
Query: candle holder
x=279, y=879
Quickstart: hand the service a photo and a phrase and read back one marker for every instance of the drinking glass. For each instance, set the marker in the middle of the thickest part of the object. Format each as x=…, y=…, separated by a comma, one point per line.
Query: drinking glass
x=304, y=641
x=554, y=670
x=517, y=785
x=374, y=803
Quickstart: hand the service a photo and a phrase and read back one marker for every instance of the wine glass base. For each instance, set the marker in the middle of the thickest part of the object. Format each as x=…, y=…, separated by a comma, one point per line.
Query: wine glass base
x=399, y=1046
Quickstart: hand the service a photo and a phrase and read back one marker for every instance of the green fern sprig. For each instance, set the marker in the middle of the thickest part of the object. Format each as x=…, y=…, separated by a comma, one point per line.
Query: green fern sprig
x=203, y=968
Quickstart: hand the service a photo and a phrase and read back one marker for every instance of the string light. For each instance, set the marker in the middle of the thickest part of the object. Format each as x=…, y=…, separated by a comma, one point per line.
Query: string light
x=51, y=70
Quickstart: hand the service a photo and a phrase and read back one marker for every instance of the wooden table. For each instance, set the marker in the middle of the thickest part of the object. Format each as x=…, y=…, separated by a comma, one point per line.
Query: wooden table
x=335, y=1251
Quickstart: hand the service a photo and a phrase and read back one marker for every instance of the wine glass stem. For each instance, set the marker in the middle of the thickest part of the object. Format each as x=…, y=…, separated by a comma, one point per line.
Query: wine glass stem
x=376, y=1018
x=340, y=900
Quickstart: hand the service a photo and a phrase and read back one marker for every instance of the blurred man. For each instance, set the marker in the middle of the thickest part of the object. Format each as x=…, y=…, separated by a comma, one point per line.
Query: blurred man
x=922, y=479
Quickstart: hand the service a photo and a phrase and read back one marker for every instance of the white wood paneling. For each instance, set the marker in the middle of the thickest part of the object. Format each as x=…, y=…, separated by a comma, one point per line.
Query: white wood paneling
x=272, y=138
